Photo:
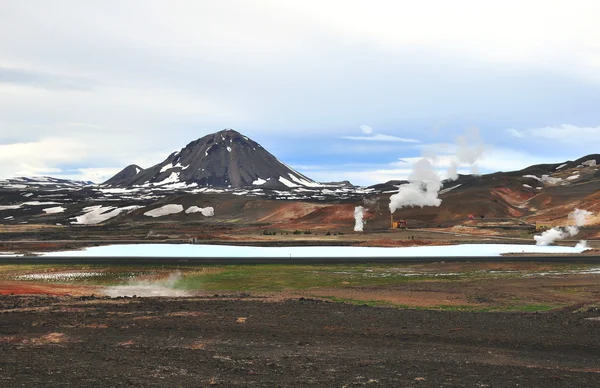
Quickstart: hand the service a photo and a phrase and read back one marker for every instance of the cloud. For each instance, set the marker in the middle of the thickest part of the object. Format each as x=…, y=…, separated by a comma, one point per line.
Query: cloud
x=97, y=175
x=43, y=80
x=40, y=157
x=380, y=137
x=514, y=132
x=561, y=134
x=79, y=156
x=156, y=82
x=532, y=38
x=493, y=160
x=366, y=129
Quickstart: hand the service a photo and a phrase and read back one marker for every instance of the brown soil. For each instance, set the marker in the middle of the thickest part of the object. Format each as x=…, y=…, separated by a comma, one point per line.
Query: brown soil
x=399, y=243
x=49, y=341
x=487, y=293
x=33, y=288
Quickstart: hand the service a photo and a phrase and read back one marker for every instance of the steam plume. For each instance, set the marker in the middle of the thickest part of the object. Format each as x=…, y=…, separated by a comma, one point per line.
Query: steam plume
x=580, y=217
x=469, y=150
x=425, y=183
x=422, y=189
x=163, y=287
x=550, y=236
x=359, y=213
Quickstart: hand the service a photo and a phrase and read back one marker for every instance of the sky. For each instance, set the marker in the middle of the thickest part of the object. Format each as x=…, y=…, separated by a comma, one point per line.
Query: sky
x=339, y=90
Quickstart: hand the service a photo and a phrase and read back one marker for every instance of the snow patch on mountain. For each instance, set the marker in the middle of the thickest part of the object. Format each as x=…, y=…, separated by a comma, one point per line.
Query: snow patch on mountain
x=287, y=182
x=96, y=214
x=545, y=179
x=589, y=163
x=174, y=177
x=304, y=182
x=164, y=210
x=449, y=189
x=30, y=203
x=206, y=212
x=54, y=210
x=10, y=207
x=170, y=166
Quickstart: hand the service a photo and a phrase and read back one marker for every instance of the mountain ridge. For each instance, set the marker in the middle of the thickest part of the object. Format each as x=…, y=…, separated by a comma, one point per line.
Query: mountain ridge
x=224, y=159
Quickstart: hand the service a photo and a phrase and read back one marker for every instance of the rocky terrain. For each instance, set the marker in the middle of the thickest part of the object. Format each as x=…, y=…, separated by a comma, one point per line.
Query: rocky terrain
x=241, y=341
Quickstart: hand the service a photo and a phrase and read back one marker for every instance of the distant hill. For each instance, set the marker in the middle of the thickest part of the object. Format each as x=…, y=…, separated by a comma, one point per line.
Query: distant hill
x=225, y=159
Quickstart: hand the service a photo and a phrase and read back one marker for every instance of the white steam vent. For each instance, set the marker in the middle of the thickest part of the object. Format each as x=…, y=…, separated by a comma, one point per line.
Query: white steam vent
x=422, y=189
x=425, y=182
x=579, y=217
x=359, y=213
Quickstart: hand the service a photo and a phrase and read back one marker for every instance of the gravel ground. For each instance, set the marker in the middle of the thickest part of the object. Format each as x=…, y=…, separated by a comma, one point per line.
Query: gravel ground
x=194, y=342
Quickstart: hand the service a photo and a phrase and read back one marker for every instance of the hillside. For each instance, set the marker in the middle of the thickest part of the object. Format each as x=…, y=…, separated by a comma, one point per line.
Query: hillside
x=225, y=159
x=545, y=193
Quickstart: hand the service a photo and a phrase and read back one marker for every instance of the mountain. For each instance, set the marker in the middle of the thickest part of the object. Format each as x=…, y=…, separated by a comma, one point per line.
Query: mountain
x=226, y=159
x=42, y=182
x=473, y=204
x=125, y=175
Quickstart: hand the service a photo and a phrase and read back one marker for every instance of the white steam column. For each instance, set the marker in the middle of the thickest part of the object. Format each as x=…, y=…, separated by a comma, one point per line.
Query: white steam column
x=579, y=216
x=359, y=213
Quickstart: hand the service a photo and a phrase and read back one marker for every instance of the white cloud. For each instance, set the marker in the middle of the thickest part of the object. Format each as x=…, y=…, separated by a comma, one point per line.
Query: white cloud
x=514, y=132
x=493, y=160
x=366, y=129
x=96, y=175
x=380, y=137
x=132, y=87
x=63, y=156
x=40, y=157
x=562, y=134
x=511, y=31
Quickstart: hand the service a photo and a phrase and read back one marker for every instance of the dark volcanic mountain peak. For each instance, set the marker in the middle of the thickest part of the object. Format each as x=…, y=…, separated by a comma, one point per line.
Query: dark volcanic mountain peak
x=124, y=175
x=222, y=159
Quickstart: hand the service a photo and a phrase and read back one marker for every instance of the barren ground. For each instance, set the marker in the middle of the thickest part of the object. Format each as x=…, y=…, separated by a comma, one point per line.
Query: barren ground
x=69, y=341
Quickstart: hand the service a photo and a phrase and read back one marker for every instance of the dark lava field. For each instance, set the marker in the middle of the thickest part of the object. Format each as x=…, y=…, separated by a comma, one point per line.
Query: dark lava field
x=243, y=341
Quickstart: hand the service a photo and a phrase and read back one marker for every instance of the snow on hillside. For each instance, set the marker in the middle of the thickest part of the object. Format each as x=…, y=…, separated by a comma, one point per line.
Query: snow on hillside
x=259, y=182
x=304, y=182
x=164, y=210
x=54, y=210
x=98, y=213
x=30, y=203
x=206, y=212
x=10, y=207
x=545, y=179
x=287, y=182
x=444, y=191
x=173, y=178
